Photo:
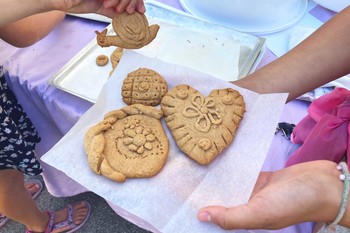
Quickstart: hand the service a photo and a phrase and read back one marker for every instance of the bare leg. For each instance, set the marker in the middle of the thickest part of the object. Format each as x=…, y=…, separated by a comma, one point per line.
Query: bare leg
x=32, y=187
x=17, y=204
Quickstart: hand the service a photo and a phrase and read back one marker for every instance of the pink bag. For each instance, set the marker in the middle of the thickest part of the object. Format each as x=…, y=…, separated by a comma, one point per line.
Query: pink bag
x=324, y=132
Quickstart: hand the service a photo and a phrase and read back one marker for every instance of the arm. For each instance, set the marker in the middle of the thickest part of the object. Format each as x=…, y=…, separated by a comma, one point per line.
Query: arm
x=321, y=58
x=307, y=191
x=13, y=10
x=29, y=30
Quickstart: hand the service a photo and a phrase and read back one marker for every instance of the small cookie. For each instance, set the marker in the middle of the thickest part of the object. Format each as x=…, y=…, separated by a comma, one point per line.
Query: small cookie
x=133, y=32
x=128, y=143
x=203, y=126
x=144, y=86
x=115, y=58
x=102, y=60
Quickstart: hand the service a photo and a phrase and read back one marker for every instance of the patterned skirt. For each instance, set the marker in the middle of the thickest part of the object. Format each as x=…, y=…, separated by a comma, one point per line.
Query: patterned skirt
x=18, y=136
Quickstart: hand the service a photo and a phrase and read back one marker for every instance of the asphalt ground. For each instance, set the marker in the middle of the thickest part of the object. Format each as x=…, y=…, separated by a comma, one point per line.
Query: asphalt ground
x=102, y=217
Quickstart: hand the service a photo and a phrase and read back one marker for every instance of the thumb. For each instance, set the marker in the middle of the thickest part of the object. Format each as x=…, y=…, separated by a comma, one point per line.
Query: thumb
x=239, y=217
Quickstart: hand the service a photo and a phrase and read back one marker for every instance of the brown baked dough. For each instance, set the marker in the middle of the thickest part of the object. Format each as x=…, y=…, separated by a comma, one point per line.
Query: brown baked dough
x=133, y=32
x=128, y=143
x=102, y=60
x=203, y=126
x=115, y=58
x=144, y=86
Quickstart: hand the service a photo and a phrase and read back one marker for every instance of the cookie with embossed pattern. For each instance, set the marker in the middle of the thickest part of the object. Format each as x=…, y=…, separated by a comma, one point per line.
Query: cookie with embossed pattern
x=203, y=126
x=133, y=32
x=115, y=58
x=144, y=86
x=129, y=143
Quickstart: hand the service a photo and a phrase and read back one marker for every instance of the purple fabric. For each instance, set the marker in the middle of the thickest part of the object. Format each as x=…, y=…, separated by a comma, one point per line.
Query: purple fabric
x=324, y=132
x=322, y=13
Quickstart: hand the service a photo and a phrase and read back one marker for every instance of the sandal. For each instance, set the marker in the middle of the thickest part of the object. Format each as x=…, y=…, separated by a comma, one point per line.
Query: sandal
x=4, y=219
x=69, y=222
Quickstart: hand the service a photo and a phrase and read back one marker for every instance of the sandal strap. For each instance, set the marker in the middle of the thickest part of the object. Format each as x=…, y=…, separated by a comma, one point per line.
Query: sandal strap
x=51, y=221
x=69, y=222
x=3, y=220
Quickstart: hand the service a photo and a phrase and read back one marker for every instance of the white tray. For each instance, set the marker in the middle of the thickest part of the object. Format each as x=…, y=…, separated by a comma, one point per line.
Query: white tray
x=83, y=78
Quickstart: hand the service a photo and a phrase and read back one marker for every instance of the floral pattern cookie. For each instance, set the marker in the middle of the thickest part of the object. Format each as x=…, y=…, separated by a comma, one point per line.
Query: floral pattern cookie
x=203, y=126
x=128, y=143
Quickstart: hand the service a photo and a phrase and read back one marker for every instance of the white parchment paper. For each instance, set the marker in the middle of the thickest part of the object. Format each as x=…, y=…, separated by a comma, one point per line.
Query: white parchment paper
x=168, y=202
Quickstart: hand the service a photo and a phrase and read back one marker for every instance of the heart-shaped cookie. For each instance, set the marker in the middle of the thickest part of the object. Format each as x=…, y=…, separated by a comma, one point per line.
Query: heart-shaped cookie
x=202, y=126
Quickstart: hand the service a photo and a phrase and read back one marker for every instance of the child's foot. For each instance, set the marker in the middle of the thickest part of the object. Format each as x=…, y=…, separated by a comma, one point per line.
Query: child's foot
x=68, y=220
x=71, y=219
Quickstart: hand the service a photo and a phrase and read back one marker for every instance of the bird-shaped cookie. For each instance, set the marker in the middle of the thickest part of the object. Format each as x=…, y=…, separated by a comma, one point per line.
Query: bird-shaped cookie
x=133, y=32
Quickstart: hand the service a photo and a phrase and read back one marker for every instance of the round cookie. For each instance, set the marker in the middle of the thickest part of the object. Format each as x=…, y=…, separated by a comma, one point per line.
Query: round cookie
x=128, y=143
x=144, y=86
x=102, y=60
x=133, y=32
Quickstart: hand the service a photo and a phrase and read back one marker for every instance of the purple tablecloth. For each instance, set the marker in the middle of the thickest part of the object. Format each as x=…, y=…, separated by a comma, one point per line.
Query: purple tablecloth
x=54, y=112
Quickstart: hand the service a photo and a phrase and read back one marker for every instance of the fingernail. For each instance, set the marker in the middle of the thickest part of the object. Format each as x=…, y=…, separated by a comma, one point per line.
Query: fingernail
x=204, y=217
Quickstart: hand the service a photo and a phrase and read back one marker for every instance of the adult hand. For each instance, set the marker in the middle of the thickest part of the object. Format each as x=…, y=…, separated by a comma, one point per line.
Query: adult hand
x=107, y=8
x=304, y=192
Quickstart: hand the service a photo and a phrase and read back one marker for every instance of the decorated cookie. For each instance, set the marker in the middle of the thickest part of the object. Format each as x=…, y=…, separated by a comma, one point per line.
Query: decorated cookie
x=144, y=86
x=133, y=32
x=128, y=143
x=202, y=126
x=115, y=58
x=102, y=60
